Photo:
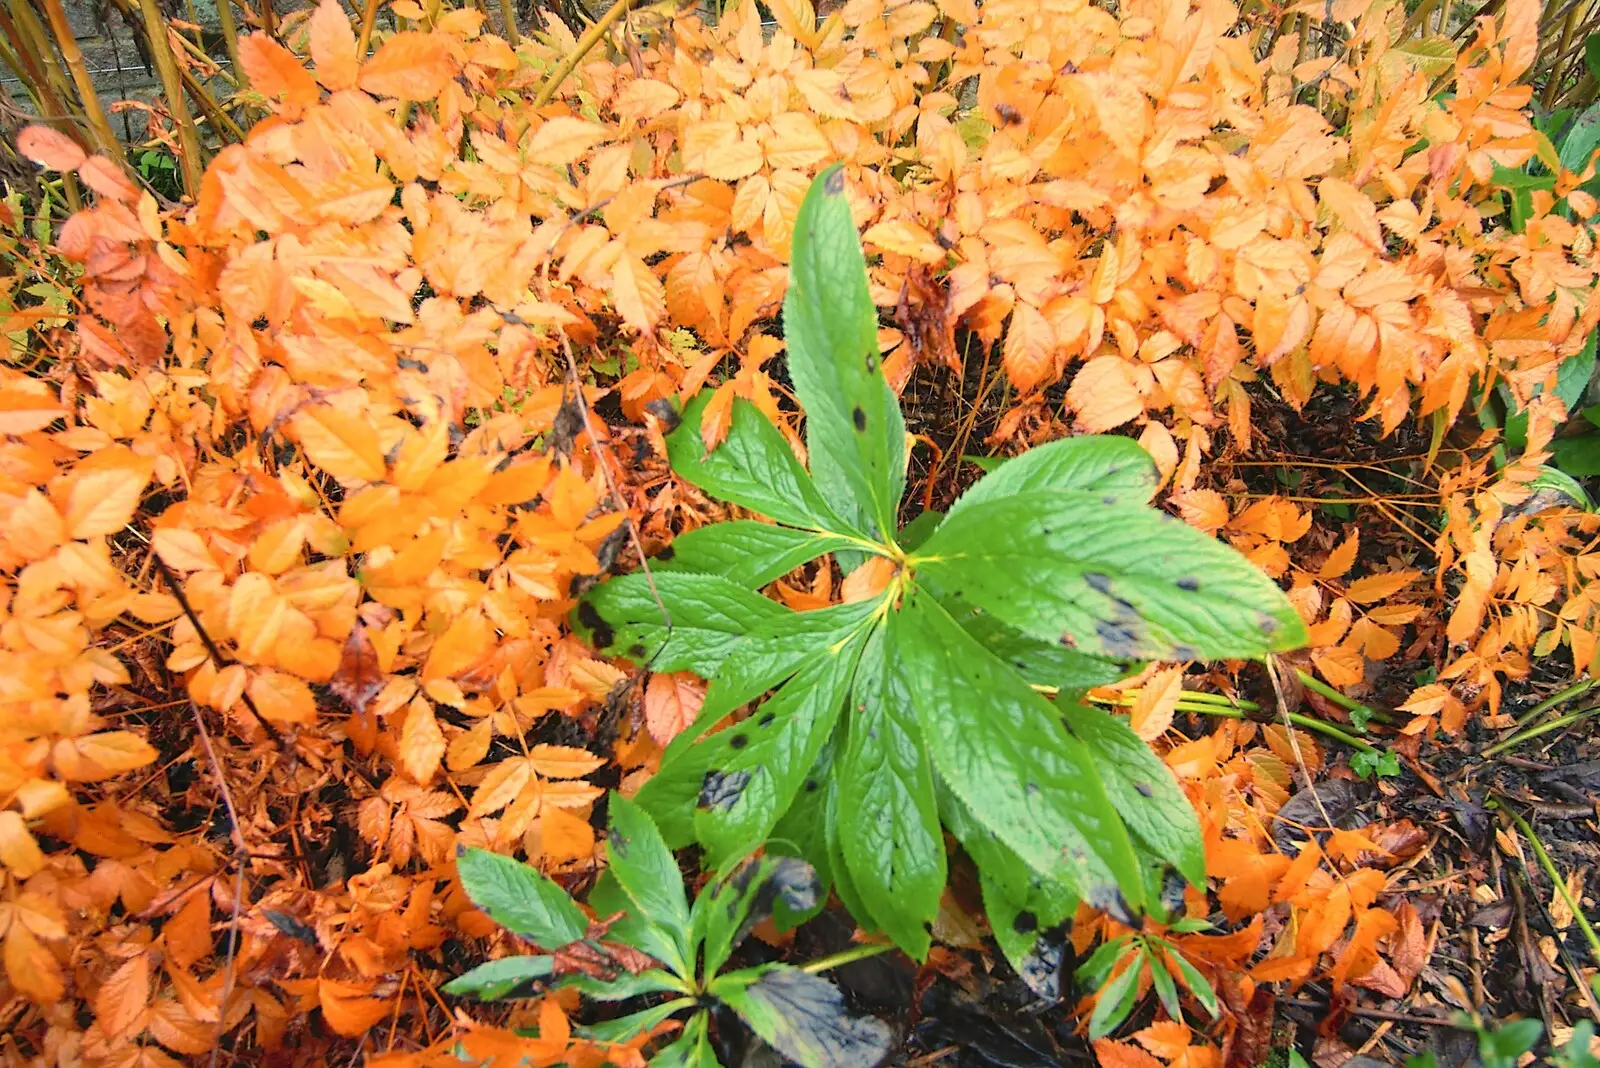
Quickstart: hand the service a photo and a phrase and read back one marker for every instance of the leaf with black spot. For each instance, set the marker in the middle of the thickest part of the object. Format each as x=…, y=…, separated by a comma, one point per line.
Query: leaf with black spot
x=506, y=977
x=644, y=868
x=854, y=430
x=1108, y=579
x=725, y=912
x=1001, y=749
x=1142, y=788
x=805, y=1018
x=765, y=758
x=709, y=616
x=890, y=834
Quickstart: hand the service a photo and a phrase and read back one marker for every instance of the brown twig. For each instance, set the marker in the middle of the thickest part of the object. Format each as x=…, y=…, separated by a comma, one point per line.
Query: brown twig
x=241, y=852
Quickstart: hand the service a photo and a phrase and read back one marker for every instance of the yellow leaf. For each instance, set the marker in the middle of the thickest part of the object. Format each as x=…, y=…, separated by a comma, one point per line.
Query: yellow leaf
x=422, y=743
x=104, y=491
x=333, y=46
x=282, y=698
x=1340, y=665
x=101, y=756
x=563, y=761
x=1342, y=558
x=344, y=445
x=1155, y=703
x=1377, y=587
x=1107, y=392
x=564, y=139
x=410, y=66
x=182, y=549
x=639, y=297
x=465, y=642
x=23, y=411
x=120, y=1002
x=470, y=746
x=19, y=851
x=1353, y=208
x=31, y=967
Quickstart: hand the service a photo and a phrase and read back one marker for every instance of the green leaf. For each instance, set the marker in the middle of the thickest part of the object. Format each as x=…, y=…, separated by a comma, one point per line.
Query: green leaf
x=1002, y=751
x=646, y=871
x=804, y=1018
x=520, y=899
x=747, y=553
x=607, y=898
x=914, y=533
x=1116, y=999
x=1579, y=456
x=1029, y=930
x=1120, y=581
x=724, y=914
x=1591, y=55
x=1040, y=663
x=1166, y=990
x=498, y=978
x=692, y=1048
x=1142, y=788
x=623, y=1028
x=854, y=431
x=709, y=616
x=753, y=467
x=1583, y=136
x=623, y=985
x=762, y=761
x=1092, y=973
x=1197, y=984
x=772, y=653
x=803, y=833
x=1116, y=468
x=890, y=836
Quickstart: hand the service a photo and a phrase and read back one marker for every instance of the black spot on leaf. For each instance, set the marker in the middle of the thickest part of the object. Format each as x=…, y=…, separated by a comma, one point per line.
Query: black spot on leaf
x=872, y=362
x=1144, y=789
x=1119, y=638
x=666, y=554
x=720, y=791
x=1268, y=625
x=1110, y=498
x=618, y=843
x=834, y=184
x=811, y=786
x=1025, y=923
x=812, y=1024
x=1189, y=584
x=600, y=633
x=766, y=718
x=1185, y=652
x=1098, y=582
x=636, y=651
x=738, y=741
x=860, y=418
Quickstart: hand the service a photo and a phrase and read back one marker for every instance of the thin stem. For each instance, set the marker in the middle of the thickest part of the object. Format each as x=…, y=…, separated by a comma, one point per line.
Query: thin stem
x=590, y=38
x=172, y=87
x=508, y=15
x=1544, y=728
x=67, y=41
x=1349, y=704
x=1558, y=698
x=845, y=956
x=369, y=14
x=230, y=38
x=1208, y=706
x=1549, y=867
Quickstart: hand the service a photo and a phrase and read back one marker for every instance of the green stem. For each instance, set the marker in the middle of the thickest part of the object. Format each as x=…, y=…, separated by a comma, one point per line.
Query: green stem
x=1544, y=728
x=1555, y=699
x=1308, y=722
x=1549, y=867
x=1349, y=704
x=845, y=956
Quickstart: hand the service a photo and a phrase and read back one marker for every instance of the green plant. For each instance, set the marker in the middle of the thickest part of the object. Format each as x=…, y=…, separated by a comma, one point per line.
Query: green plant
x=1499, y=1045
x=1125, y=960
x=925, y=704
x=641, y=904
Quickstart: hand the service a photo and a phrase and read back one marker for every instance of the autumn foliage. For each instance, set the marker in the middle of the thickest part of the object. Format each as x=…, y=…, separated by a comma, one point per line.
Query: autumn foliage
x=308, y=461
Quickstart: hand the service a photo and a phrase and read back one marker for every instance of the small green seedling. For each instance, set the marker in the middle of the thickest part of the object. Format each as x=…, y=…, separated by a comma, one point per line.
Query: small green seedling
x=926, y=708
x=641, y=894
x=1125, y=960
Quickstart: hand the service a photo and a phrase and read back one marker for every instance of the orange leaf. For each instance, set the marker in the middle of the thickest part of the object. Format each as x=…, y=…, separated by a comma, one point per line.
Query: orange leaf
x=410, y=66
x=344, y=445
x=120, y=1002
x=1029, y=350
x=564, y=139
x=104, y=491
x=282, y=698
x=19, y=851
x=1155, y=703
x=1107, y=392
x=101, y=756
x=31, y=967
x=1112, y=1054
x=348, y=1008
x=187, y=935
x=637, y=294
x=1340, y=560
x=1377, y=587
x=50, y=149
x=563, y=761
x=275, y=73
x=671, y=703
x=422, y=743
x=333, y=46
